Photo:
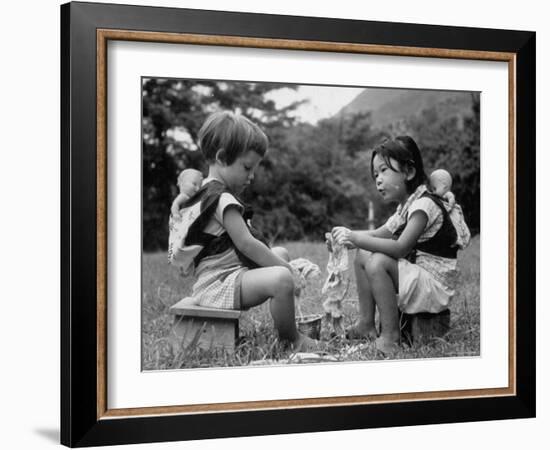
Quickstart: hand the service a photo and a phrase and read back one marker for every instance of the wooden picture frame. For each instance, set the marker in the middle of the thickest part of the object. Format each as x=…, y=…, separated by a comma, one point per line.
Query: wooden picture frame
x=86, y=418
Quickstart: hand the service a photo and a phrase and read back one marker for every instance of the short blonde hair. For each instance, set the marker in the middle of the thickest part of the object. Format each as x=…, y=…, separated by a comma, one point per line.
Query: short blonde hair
x=233, y=135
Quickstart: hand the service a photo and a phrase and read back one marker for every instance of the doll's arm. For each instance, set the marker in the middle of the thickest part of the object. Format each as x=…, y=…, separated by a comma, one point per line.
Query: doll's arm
x=449, y=197
x=177, y=204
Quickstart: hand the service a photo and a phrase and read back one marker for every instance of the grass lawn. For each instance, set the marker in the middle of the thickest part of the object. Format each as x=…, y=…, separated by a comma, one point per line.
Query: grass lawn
x=163, y=286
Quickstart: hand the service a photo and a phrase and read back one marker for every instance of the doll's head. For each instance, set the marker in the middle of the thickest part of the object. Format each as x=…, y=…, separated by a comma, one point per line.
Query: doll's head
x=440, y=182
x=189, y=181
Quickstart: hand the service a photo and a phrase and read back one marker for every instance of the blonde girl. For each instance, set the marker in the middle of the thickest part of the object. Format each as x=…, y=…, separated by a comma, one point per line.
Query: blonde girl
x=235, y=268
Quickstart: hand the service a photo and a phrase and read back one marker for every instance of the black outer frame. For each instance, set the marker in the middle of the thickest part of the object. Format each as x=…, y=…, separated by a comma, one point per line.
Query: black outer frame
x=79, y=423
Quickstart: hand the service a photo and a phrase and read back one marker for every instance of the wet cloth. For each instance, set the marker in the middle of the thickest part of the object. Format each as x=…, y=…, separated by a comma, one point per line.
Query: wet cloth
x=303, y=270
x=337, y=282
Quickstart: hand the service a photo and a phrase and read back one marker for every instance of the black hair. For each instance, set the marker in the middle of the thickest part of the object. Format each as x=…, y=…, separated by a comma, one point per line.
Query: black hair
x=231, y=135
x=404, y=150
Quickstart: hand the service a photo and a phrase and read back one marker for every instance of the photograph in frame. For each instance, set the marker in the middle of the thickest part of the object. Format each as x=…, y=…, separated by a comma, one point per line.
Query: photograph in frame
x=91, y=389
x=132, y=387
x=316, y=173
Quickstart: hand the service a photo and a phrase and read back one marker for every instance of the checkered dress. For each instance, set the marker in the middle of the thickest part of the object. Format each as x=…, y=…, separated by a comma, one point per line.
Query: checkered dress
x=218, y=282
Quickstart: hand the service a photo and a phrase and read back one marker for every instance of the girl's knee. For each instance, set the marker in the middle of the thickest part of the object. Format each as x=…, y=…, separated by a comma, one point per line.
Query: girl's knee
x=282, y=281
x=377, y=263
x=362, y=258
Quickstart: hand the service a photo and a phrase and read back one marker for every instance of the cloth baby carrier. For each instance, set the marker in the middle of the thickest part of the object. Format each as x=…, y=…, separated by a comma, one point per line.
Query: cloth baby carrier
x=188, y=244
x=443, y=243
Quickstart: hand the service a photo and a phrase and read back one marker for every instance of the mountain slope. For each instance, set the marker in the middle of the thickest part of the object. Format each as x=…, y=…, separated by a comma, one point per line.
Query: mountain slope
x=391, y=105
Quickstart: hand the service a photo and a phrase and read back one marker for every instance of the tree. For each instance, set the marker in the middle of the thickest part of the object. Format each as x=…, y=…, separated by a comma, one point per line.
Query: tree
x=310, y=183
x=173, y=112
x=358, y=132
x=453, y=143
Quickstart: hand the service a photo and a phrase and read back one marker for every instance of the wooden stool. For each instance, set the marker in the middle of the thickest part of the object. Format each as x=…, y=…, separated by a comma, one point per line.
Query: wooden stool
x=422, y=326
x=207, y=328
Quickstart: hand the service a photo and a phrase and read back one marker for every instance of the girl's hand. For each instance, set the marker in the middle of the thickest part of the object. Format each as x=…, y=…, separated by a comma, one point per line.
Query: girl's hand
x=343, y=236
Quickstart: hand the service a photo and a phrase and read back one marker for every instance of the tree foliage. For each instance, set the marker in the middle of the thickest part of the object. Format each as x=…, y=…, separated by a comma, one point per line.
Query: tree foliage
x=173, y=112
x=452, y=143
x=314, y=176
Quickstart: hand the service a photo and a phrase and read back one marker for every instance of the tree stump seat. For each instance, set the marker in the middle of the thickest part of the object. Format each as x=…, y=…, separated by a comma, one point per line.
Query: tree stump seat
x=424, y=326
x=207, y=328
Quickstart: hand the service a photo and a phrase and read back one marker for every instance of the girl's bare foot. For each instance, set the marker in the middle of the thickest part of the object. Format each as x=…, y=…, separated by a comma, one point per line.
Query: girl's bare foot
x=362, y=331
x=305, y=344
x=386, y=346
x=337, y=327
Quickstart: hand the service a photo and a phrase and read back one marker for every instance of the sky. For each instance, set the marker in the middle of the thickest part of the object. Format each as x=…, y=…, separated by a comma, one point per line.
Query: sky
x=323, y=101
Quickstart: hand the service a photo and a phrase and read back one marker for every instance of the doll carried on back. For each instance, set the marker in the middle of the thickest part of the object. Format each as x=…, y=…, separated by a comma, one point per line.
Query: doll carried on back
x=440, y=183
x=192, y=209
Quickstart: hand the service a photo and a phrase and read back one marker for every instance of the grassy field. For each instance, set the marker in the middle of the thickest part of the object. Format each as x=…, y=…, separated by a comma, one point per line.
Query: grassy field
x=163, y=286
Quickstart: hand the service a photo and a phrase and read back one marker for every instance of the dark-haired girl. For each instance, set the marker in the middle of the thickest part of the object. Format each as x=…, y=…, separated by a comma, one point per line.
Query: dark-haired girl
x=409, y=263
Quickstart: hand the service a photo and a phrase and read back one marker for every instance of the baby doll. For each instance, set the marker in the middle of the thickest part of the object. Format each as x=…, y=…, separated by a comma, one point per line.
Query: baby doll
x=189, y=182
x=440, y=184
